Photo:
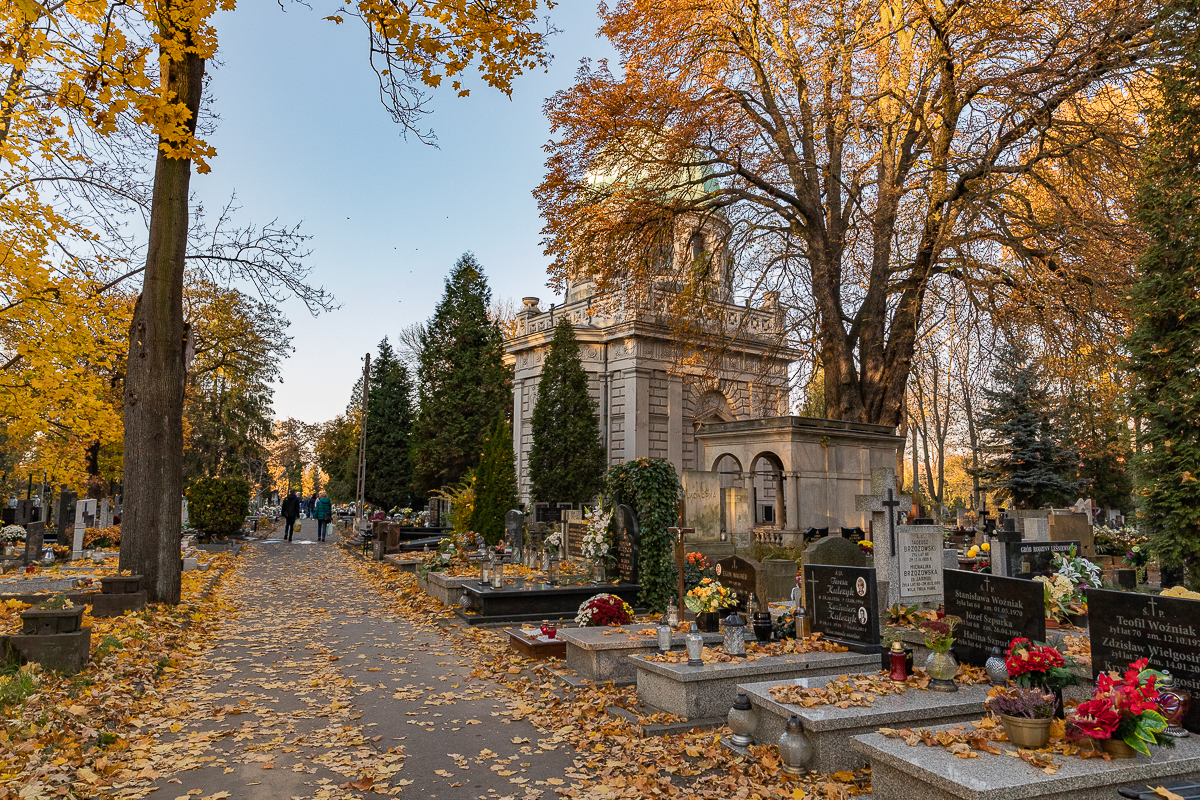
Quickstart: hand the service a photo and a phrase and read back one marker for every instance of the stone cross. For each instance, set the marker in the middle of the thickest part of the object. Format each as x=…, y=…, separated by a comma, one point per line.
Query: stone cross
x=883, y=504
x=85, y=510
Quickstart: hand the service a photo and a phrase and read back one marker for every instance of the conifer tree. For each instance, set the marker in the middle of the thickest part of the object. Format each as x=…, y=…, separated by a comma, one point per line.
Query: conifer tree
x=495, y=483
x=1026, y=461
x=388, y=427
x=566, y=462
x=464, y=384
x=1163, y=345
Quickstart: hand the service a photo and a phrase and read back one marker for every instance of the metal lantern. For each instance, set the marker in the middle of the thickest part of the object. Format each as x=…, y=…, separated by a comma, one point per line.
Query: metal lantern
x=794, y=748
x=664, y=636
x=735, y=635
x=741, y=721
x=995, y=667
x=695, y=647
x=802, y=628
x=485, y=570
x=497, y=572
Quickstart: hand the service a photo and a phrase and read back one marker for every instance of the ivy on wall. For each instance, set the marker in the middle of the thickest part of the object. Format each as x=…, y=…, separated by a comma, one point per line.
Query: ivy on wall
x=651, y=488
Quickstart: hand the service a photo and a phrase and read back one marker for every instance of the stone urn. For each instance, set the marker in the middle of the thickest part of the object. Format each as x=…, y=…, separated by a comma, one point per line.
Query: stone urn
x=51, y=621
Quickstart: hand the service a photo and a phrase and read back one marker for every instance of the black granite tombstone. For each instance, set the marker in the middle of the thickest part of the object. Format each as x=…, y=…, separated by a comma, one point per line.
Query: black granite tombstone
x=994, y=611
x=843, y=605
x=514, y=530
x=65, y=519
x=812, y=534
x=543, y=512
x=629, y=541
x=855, y=534
x=1125, y=626
x=742, y=576
x=1030, y=559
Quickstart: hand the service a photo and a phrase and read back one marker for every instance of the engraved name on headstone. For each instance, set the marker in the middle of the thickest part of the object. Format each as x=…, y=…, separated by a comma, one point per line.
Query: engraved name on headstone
x=843, y=605
x=742, y=575
x=1125, y=627
x=1030, y=559
x=994, y=611
x=628, y=544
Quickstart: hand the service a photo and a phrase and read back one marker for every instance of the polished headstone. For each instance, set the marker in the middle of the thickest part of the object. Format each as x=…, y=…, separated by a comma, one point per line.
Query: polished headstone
x=1030, y=559
x=994, y=611
x=843, y=605
x=744, y=576
x=1126, y=626
x=629, y=541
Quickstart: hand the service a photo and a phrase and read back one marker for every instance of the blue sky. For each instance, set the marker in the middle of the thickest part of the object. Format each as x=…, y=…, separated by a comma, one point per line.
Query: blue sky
x=303, y=137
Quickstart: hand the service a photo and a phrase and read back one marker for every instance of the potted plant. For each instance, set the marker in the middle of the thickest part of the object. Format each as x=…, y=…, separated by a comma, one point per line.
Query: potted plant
x=603, y=609
x=1033, y=665
x=1026, y=713
x=1124, y=714
x=707, y=600
x=941, y=666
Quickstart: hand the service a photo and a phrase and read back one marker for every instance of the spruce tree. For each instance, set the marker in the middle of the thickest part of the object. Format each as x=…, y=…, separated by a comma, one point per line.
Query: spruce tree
x=1163, y=344
x=388, y=427
x=464, y=384
x=495, y=483
x=1024, y=459
x=566, y=462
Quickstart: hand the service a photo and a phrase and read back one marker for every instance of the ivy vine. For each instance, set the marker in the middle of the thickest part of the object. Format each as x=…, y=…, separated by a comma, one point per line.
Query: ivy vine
x=651, y=488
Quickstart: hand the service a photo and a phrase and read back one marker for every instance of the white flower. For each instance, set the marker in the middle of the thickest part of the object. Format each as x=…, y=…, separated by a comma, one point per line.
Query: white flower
x=13, y=533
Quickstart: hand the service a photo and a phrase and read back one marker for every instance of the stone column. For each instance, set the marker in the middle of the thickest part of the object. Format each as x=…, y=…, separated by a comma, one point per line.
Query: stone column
x=676, y=425
x=637, y=413
x=517, y=426
x=791, y=492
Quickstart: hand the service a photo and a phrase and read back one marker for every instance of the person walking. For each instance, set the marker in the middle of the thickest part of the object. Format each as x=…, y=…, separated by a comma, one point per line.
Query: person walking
x=323, y=511
x=290, y=510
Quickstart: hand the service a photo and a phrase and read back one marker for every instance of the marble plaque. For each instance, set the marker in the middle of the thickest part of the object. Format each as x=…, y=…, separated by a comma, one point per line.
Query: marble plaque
x=920, y=553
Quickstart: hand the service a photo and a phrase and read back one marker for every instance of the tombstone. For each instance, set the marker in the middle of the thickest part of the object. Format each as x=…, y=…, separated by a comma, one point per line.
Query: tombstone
x=573, y=533
x=834, y=550
x=514, y=531
x=886, y=506
x=85, y=517
x=994, y=611
x=1004, y=539
x=35, y=534
x=572, y=515
x=105, y=519
x=914, y=574
x=1125, y=627
x=737, y=521
x=843, y=605
x=544, y=512
x=812, y=534
x=702, y=504
x=62, y=515
x=629, y=541
x=1071, y=527
x=183, y=512
x=854, y=534
x=744, y=576
x=1030, y=559
x=960, y=518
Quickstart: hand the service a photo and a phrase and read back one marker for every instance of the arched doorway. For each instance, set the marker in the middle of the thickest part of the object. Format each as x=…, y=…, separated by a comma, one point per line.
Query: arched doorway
x=766, y=476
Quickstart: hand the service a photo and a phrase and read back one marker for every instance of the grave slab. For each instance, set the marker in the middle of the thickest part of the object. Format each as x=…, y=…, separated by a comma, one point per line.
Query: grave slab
x=525, y=602
x=602, y=654
x=443, y=588
x=534, y=646
x=63, y=652
x=709, y=690
x=901, y=772
x=829, y=729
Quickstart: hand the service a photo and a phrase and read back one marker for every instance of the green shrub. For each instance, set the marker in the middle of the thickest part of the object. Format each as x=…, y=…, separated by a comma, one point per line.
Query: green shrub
x=218, y=506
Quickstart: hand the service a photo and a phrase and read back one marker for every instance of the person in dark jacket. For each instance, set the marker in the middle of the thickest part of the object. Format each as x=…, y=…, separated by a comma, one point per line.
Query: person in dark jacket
x=290, y=510
x=323, y=511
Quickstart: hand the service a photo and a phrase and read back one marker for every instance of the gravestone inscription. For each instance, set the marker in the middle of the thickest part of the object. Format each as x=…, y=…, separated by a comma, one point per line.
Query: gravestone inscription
x=994, y=611
x=742, y=575
x=855, y=534
x=920, y=562
x=1125, y=626
x=574, y=531
x=1030, y=559
x=629, y=541
x=843, y=605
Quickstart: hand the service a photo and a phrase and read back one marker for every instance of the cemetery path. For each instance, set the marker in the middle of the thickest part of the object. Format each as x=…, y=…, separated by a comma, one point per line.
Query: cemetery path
x=313, y=690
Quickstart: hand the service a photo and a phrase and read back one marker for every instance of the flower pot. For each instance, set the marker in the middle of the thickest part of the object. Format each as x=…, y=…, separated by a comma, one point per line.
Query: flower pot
x=50, y=621
x=1051, y=624
x=1117, y=748
x=1027, y=733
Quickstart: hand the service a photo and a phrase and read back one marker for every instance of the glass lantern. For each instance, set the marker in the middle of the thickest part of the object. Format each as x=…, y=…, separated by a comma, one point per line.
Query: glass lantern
x=741, y=721
x=695, y=647
x=485, y=571
x=497, y=573
x=794, y=748
x=672, y=614
x=996, y=667
x=735, y=635
x=664, y=636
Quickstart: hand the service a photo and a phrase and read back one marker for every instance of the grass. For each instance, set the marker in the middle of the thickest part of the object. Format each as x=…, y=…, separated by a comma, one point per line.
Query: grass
x=17, y=684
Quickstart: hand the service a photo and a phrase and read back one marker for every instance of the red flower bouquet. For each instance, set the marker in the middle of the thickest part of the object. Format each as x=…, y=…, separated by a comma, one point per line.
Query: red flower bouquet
x=1123, y=708
x=1032, y=664
x=604, y=609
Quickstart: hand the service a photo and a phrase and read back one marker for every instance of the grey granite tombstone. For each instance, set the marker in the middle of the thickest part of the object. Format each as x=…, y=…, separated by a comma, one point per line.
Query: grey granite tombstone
x=883, y=479
x=35, y=533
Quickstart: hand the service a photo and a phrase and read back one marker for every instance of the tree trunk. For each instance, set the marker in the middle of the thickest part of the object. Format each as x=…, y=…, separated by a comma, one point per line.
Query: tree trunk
x=154, y=383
